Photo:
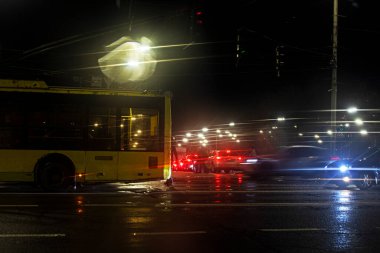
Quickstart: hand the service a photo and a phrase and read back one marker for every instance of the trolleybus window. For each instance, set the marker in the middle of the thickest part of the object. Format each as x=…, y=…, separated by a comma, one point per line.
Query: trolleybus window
x=11, y=127
x=102, y=128
x=55, y=126
x=139, y=129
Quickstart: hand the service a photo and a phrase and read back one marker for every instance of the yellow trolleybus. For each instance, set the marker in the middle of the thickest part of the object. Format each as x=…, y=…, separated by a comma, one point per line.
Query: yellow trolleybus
x=59, y=136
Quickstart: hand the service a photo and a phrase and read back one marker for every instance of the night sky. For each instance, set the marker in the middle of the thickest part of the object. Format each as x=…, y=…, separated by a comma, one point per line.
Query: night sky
x=60, y=42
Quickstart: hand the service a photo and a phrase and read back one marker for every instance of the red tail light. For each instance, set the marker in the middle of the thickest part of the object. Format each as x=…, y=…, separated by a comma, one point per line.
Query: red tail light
x=334, y=158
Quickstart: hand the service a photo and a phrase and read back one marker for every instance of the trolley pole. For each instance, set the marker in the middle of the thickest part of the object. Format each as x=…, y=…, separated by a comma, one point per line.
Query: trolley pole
x=334, y=85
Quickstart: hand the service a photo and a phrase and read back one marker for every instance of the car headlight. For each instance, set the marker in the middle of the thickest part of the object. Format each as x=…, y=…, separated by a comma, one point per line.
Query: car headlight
x=251, y=160
x=343, y=168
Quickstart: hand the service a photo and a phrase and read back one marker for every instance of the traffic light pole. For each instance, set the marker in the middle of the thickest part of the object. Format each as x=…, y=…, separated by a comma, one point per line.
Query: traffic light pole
x=334, y=85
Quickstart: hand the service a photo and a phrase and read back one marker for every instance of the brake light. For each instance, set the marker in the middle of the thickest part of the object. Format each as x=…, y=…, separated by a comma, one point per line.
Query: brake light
x=218, y=158
x=334, y=158
x=239, y=158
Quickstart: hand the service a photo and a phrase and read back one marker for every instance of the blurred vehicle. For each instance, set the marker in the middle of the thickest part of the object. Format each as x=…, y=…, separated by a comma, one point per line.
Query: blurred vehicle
x=225, y=160
x=187, y=163
x=201, y=162
x=299, y=160
x=363, y=171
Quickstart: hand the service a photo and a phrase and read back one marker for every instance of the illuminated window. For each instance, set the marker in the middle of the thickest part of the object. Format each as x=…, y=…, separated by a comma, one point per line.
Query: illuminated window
x=140, y=131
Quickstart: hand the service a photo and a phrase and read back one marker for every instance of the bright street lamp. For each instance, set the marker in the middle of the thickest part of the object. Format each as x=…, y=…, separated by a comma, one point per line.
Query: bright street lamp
x=352, y=110
x=128, y=61
x=358, y=121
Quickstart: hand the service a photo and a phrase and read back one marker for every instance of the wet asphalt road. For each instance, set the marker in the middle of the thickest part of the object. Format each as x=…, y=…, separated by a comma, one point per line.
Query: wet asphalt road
x=199, y=213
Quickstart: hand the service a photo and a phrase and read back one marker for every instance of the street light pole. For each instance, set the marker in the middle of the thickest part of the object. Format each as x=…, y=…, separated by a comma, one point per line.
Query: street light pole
x=334, y=85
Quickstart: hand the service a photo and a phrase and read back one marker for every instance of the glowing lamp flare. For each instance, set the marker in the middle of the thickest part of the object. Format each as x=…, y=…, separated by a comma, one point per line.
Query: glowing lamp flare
x=343, y=168
x=128, y=61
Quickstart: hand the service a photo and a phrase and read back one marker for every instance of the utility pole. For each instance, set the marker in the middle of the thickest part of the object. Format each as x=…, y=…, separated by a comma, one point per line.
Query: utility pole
x=334, y=85
x=237, y=49
x=130, y=17
x=279, y=60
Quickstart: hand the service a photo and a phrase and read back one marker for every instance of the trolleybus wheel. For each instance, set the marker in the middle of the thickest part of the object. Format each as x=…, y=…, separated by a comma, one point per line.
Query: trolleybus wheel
x=54, y=176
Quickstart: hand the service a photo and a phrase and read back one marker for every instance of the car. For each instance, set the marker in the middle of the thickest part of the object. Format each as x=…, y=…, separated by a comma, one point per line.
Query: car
x=188, y=162
x=225, y=160
x=363, y=170
x=201, y=161
x=297, y=160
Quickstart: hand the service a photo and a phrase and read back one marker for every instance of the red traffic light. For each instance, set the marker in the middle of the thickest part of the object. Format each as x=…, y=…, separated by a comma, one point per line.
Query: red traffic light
x=199, y=14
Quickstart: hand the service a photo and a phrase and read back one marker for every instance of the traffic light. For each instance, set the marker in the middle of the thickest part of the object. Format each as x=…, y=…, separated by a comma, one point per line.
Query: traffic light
x=279, y=54
x=241, y=46
x=199, y=15
x=197, y=20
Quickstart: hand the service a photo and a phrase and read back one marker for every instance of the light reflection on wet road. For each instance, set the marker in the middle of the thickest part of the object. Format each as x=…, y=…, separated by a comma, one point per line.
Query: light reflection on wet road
x=200, y=213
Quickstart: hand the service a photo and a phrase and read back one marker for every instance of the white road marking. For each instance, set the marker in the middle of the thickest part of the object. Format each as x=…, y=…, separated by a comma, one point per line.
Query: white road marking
x=30, y=235
x=248, y=204
x=291, y=229
x=168, y=205
x=170, y=233
x=245, y=191
x=110, y=205
x=18, y=206
x=286, y=204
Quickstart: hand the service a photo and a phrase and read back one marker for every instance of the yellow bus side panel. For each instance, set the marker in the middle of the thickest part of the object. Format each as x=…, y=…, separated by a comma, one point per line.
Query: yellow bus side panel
x=18, y=165
x=135, y=165
x=101, y=165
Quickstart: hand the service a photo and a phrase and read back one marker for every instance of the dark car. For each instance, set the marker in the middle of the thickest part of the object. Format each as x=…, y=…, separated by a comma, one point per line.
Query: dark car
x=299, y=160
x=362, y=170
